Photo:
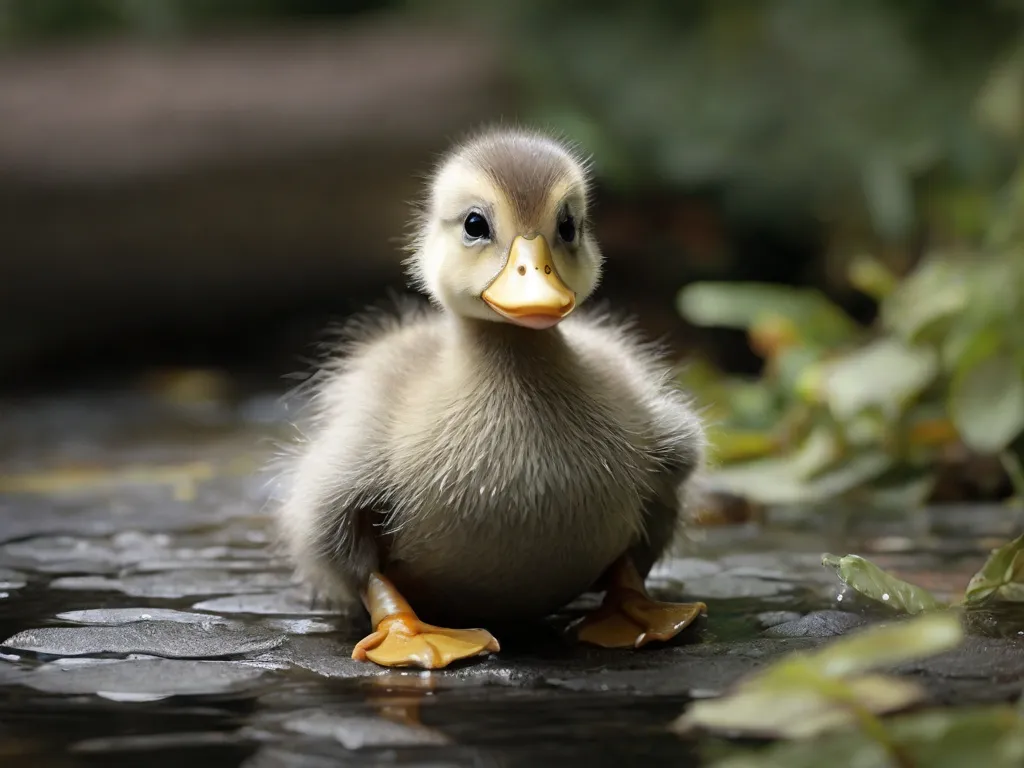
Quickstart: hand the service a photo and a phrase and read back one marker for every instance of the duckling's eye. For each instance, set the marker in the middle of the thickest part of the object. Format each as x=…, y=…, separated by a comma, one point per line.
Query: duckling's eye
x=476, y=227
x=567, y=228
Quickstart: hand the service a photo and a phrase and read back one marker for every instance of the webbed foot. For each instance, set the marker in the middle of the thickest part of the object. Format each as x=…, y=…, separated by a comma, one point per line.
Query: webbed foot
x=629, y=619
x=405, y=641
x=400, y=639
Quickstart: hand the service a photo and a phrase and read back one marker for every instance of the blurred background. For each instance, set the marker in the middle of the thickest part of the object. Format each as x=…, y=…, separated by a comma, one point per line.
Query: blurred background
x=818, y=203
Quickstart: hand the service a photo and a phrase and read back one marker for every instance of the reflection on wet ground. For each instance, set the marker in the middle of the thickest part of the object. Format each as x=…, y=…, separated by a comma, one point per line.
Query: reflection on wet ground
x=145, y=618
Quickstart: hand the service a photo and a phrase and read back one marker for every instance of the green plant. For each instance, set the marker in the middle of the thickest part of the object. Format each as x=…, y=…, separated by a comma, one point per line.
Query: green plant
x=842, y=409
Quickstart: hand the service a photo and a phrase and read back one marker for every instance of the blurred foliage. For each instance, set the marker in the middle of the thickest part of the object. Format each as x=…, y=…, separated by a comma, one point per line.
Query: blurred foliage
x=775, y=103
x=827, y=704
x=806, y=694
x=31, y=21
x=878, y=412
x=838, y=723
x=992, y=736
x=842, y=408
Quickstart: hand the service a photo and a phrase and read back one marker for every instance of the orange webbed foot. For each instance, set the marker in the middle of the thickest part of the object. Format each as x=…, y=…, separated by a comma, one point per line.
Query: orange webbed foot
x=629, y=619
x=405, y=641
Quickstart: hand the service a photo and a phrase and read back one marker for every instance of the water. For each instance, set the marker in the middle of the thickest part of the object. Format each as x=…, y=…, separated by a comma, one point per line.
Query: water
x=126, y=501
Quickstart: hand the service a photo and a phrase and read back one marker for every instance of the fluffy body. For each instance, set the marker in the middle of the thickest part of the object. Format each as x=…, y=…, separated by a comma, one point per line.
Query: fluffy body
x=494, y=473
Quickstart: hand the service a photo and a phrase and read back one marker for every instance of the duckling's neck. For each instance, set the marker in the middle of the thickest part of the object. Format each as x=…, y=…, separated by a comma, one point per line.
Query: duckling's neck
x=515, y=374
x=510, y=346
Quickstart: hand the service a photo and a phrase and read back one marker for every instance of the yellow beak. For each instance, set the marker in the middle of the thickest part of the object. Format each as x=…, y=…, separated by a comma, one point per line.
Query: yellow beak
x=528, y=290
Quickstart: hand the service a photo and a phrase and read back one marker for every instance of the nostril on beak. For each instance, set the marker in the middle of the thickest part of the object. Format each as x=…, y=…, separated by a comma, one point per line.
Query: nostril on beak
x=521, y=270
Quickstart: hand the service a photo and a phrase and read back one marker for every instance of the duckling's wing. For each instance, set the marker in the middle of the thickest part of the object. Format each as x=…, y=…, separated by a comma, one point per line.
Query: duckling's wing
x=680, y=439
x=332, y=520
x=336, y=496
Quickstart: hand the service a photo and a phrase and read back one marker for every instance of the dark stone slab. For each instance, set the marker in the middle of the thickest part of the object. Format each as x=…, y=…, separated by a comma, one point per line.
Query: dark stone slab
x=701, y=669
x=174, y=584
x=149, y=678
x=982, y=670
x=295, y=602
x=817, y=624
x=774, y=618
x=169, y=639
x=119, y=616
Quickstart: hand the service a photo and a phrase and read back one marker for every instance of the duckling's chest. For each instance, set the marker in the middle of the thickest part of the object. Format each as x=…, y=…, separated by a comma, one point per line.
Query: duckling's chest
x=516, y=507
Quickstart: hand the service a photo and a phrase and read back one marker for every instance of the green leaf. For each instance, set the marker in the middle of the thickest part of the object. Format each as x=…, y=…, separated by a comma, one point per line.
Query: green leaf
x=871, y=277
x=1014, y=469
x=968, y=345
x=885, y=374
x=819, y=450
x=799, y=711
x=889, y=644
x=983, y=736
x=741, y=305
x=807, y=476
x=853, y=472
x=933, y=293
x=766, y=481
x=806, y=693
x=1004, y=568
x=986, y=402
x=732, y=445
x=989, y=736
x=793, y=366
x=867, y=429
x=782, y=480
x=871, y=581
x=847, y=747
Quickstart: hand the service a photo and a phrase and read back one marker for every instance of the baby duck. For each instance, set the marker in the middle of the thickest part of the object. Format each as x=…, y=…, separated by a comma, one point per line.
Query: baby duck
x=490, y=462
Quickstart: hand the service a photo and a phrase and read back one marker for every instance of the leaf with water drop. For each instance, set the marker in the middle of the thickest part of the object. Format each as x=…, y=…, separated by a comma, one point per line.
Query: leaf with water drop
x=871, y=581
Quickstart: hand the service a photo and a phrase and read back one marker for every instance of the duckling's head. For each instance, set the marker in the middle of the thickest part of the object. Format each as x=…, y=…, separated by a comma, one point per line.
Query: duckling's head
x=503, y=234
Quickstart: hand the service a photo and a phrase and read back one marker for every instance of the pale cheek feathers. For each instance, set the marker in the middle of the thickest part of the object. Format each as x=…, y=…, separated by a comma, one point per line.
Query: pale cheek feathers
x=581, y=272
x=456, y=275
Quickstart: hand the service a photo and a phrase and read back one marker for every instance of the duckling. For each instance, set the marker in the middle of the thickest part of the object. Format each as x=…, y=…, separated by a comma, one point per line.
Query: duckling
x=490, y=459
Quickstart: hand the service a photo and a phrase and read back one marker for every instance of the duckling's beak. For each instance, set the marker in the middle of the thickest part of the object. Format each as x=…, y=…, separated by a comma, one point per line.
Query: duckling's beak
x=528, y=290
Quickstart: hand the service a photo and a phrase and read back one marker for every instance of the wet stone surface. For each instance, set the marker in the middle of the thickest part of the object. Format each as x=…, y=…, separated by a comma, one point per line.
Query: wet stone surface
x=145, y=619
